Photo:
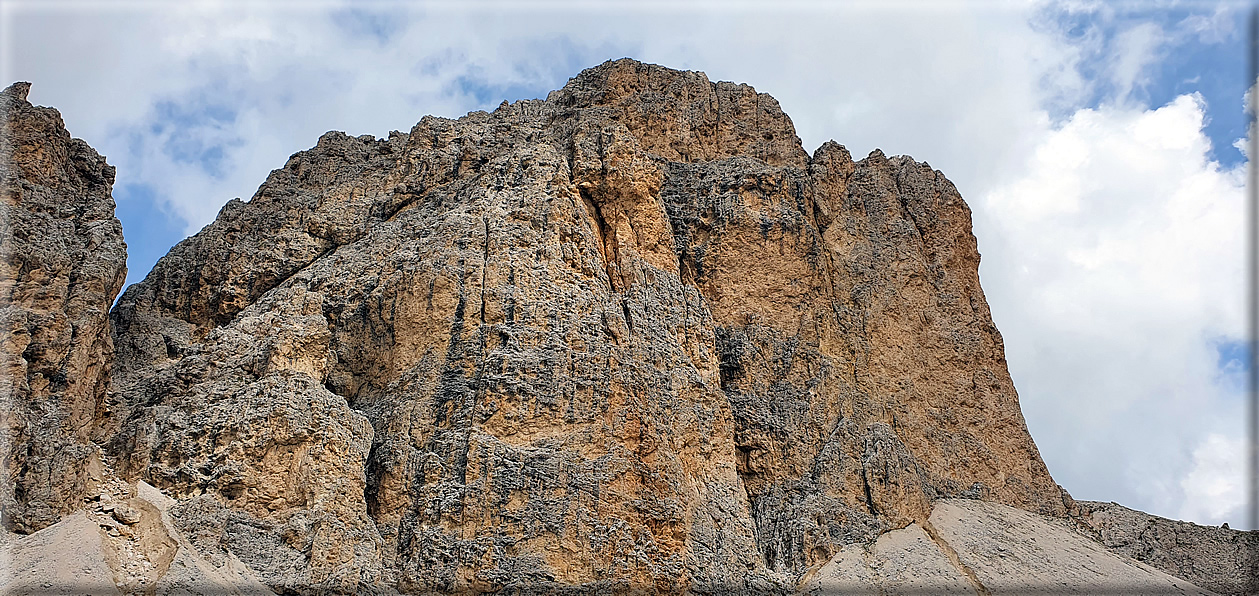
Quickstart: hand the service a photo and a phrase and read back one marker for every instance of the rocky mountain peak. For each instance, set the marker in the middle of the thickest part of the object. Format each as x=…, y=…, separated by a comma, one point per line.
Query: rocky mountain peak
x=638, y=303
x=629, y=337
x=682, y=116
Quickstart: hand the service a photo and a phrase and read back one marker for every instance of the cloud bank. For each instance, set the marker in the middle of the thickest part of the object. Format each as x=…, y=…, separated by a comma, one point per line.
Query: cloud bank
x=1116, y=279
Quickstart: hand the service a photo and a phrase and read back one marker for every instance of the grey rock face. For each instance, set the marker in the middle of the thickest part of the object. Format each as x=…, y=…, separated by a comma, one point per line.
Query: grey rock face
x=630, y=336
x=62, y=262
x=1009, y=551
x=1218, y=559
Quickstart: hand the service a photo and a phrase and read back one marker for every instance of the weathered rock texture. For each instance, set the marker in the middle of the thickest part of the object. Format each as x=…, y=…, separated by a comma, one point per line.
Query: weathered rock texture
x=62, y=262
x=631, y=336
x=1218, y=559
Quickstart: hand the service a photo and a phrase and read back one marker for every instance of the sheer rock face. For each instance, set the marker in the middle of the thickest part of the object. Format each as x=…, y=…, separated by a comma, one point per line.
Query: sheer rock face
x=632, y=334
x=62, y=262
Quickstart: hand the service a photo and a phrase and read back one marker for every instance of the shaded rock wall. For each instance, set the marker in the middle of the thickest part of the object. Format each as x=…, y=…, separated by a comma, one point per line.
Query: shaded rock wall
x=62, y=262
x=630, y=335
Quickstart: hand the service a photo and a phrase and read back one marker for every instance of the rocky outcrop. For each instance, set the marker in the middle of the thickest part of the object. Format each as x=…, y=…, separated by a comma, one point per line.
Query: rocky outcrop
x=62, y=262
x=1218, y=559
x=630, y=336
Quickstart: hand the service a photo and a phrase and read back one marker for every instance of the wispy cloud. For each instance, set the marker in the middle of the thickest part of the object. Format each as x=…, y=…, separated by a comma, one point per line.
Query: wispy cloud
x=377, y=23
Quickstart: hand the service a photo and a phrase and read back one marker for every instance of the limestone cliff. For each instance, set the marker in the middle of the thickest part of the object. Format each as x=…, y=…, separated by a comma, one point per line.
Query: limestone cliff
x=631, y=338
x=632, y=334
x=62, y=262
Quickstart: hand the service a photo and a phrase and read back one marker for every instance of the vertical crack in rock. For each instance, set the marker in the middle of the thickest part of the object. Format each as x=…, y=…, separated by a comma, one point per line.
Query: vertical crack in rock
x=452, y=415
x=625, y=309
x=865, y=486
x=603, y=235
x=485, y=265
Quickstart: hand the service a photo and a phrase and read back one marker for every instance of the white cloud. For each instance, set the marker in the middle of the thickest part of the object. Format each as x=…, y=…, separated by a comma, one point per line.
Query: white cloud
x=1216, y=27
x=1215, y=486
x=1135, y=50
x=1115, y=274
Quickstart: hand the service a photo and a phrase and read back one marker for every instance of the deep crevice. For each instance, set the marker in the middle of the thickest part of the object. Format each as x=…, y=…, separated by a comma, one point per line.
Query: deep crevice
x=629, y=320
x=601, y=230
x=865, y=484
x=485, y=264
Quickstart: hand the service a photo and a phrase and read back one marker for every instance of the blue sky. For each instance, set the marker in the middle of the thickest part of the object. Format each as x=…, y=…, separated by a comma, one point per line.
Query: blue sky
x=1094, y=142
x=149, y=227
x=1204, y=53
